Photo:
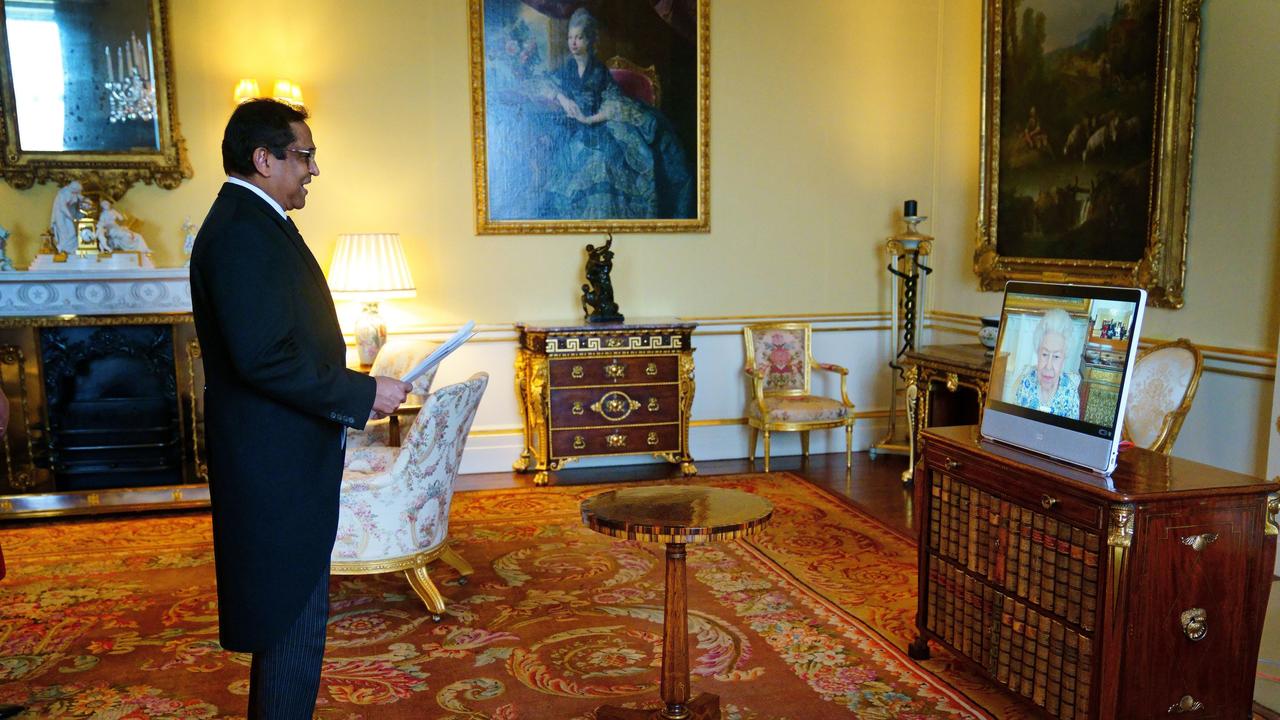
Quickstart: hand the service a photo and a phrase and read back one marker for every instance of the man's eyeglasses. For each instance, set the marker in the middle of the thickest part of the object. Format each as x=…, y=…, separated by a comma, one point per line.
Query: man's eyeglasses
x=308, y=155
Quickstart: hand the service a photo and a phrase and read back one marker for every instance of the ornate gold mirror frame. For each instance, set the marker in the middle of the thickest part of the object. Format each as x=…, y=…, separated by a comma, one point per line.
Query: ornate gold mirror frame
x=1153, y=255
x=112, y=171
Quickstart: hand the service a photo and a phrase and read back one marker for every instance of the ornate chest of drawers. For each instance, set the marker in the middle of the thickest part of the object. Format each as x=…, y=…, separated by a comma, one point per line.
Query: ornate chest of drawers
x=604, y=389
x=1138, y=595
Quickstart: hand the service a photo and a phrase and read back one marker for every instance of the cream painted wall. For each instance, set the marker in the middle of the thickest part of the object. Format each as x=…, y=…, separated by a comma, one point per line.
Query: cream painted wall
x=821, y=118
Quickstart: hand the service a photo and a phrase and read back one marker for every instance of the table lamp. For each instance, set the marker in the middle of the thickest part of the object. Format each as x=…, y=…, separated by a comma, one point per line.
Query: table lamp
x=369, y=267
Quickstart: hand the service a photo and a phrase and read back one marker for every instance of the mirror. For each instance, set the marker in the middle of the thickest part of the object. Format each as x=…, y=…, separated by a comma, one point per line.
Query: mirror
x=87, y=94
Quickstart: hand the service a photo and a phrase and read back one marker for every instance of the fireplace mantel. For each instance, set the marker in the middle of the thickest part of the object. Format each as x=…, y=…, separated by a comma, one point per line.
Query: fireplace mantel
x=94, y=292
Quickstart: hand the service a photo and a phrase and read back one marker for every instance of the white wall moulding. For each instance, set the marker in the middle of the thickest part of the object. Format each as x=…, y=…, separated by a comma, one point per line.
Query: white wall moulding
x=90, y=292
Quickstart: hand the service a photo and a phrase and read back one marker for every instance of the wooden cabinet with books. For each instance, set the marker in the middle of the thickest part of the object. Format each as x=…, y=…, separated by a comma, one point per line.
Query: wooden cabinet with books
x=1137, y=595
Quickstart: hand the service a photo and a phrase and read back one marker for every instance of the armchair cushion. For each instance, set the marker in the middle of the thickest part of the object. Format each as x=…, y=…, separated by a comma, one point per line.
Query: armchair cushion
x=799, y=409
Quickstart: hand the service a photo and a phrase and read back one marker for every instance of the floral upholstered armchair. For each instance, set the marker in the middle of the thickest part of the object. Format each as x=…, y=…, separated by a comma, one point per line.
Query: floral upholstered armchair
x=394, y=511
x=395, y=359
x=1164, y=382
x=779, y=361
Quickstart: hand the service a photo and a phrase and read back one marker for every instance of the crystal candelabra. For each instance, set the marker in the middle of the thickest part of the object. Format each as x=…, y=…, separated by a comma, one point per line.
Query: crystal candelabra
x=130, y=84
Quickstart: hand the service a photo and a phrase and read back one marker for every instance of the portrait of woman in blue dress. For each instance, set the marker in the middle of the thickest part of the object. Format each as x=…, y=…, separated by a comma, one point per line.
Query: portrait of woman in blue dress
x=572, y=144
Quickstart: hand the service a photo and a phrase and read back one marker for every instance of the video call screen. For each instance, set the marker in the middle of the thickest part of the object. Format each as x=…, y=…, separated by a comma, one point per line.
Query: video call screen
x=1061, y=360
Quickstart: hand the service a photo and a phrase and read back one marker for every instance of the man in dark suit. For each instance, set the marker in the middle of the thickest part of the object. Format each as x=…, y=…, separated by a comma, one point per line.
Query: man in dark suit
x=278, y=399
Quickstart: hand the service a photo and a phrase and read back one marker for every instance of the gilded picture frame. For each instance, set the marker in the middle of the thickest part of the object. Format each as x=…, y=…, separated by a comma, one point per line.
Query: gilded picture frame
x=113, y=161
x=1061, y=83
x=610, y=135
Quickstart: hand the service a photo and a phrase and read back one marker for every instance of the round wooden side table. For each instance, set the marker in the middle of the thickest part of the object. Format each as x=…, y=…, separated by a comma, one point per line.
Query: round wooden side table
x=675, y=515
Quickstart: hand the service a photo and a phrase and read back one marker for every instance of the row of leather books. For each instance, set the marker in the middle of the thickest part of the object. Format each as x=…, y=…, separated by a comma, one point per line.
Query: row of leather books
x=1048, y=562
x=1032, y=654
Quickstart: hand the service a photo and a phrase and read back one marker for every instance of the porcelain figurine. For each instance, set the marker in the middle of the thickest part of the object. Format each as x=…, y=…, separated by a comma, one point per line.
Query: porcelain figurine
x=114, y=234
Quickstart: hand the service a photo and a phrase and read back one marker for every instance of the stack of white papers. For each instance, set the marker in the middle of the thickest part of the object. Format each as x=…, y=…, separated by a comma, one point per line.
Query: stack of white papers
x=464, y=334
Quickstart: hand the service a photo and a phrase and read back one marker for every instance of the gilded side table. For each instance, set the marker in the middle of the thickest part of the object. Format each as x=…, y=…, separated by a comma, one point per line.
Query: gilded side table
x=675, y=515
x=597, y=389
x=929, y=370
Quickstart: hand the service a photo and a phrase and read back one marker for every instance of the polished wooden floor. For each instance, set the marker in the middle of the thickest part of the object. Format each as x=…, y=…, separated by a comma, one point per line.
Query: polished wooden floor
x=875, y=486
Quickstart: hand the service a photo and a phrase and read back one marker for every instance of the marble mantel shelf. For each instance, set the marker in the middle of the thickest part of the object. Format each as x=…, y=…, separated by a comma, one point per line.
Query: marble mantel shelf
x=94, y=292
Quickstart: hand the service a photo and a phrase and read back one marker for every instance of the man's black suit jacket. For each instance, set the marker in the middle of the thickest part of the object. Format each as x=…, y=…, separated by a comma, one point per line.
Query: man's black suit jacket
x=277, y=397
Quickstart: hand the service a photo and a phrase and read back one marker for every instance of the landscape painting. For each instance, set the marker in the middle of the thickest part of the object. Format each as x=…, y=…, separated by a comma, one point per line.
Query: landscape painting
x=1077, y=167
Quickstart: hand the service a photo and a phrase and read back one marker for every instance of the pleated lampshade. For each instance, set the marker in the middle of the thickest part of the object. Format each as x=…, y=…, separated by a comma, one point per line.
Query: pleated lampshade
x=370, y=266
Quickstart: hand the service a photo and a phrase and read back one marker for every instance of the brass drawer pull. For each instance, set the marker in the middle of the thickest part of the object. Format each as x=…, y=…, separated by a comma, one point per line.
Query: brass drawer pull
x=577, y=372
x=579, y=443
x=1199, y=542
x=614, y=406
x=651, y=369
x=1195, y=623
x=652, y=439
x=653, y=404
x=1185, y=705
x=616, y=440
x=577, y=408
x=953, y=465
x=615, y=370
x=1048, y=501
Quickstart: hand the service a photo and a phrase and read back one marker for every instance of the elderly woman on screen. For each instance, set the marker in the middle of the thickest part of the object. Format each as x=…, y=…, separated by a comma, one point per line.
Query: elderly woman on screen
x=1043, y=385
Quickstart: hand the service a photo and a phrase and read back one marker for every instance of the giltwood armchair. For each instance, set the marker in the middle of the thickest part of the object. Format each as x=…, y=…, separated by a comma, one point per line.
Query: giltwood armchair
x=1164, y=382
x=394, y=507
x=779, y=362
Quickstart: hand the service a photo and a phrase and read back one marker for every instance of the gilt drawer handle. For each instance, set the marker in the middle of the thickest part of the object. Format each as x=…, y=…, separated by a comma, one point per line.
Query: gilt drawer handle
x=614, y=406
x=1185, y=705
x=577, y=408
x=616, y=440
x=652, y=439
x=1048, y=501
x=1195, y=623
x=952, y=465
x=578, y=442
x=577, y=372
x=651, y=369
x=1199, y=542
x=653, y=404
x=615, y=370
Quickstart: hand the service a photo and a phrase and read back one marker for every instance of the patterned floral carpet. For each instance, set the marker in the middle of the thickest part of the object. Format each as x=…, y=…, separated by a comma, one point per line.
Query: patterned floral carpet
x=116, y=618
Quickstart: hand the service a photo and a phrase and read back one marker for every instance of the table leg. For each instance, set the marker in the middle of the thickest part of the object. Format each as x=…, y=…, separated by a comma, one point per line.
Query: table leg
x=675, y=657
x=675, y=637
